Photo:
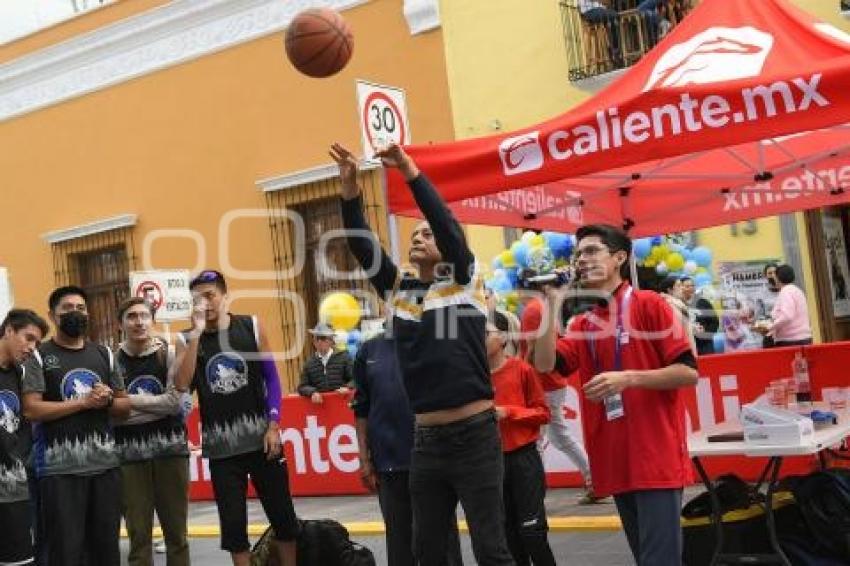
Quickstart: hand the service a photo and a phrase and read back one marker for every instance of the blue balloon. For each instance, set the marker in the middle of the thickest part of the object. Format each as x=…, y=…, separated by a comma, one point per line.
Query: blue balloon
x=687, y=254
x=548, y=236
x=561, y=246
x=354, y=337
x=719, y=343
x=502, y=285
x=702, y=279
x=657, y=240
x=642, y=247
x=520, y=251
x=512, y=276
x=702, y=256
x=496, y=263
x=352, y=350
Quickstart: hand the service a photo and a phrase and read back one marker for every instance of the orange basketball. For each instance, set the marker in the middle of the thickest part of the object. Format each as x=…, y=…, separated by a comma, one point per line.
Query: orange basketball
x=319, y=42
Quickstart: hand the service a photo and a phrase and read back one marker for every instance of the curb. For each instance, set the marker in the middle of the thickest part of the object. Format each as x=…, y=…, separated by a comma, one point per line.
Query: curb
x=376, y=528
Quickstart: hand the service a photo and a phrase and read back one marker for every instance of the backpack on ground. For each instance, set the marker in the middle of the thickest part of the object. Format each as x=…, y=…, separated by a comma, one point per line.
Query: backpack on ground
x=823, y=498
x=321, y=542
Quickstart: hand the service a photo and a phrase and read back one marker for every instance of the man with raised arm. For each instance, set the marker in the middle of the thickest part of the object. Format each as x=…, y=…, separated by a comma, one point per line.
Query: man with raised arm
x=438, y=321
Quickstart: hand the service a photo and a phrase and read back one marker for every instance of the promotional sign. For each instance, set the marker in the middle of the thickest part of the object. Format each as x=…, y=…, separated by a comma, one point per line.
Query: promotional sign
x=382, y=116
x=836, y=261
x=708, y=128
x=320, y=441
x=166, y=290
x=745, y=298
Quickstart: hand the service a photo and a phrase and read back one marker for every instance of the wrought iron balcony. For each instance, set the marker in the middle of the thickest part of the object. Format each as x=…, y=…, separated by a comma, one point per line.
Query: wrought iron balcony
x=605, y=35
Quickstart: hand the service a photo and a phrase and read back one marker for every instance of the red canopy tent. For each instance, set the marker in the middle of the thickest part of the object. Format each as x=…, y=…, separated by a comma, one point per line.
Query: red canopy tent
x=741, y=111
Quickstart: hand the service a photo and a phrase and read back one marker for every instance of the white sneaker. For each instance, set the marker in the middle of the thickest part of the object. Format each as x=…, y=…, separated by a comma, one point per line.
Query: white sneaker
x=159, y=546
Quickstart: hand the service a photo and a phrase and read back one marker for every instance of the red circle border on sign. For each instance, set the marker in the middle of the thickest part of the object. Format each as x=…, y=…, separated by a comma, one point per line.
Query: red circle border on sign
x=385, y=97
x=143, y=284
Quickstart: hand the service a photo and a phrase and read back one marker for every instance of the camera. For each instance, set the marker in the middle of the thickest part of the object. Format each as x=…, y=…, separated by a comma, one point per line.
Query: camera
x=557, y=278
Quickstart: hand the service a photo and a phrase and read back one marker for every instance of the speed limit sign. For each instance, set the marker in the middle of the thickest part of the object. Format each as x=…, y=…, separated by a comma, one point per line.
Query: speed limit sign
x=383, y=116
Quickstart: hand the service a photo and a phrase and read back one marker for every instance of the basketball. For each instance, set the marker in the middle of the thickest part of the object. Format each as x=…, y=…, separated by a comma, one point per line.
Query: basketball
x=319, y=42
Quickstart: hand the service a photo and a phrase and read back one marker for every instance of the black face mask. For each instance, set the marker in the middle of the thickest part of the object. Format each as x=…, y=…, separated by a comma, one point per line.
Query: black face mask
x=73, y=324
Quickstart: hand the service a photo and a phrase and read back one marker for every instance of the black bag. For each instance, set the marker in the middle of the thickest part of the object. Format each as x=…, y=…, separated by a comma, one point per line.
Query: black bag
x=321, y=542
x=824, y=501
x=744, y=529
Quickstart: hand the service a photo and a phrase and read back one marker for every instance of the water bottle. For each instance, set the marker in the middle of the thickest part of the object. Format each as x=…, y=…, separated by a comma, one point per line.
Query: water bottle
x=800, y=368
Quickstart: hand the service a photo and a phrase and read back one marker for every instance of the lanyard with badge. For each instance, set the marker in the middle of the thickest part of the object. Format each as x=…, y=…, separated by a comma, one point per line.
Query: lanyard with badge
x=614, y=403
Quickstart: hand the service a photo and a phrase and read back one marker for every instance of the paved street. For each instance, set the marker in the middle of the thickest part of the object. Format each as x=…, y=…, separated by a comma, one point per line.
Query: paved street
x=582, y=535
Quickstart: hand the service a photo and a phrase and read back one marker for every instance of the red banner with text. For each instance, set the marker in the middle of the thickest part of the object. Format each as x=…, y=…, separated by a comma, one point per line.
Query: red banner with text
x=321, y=443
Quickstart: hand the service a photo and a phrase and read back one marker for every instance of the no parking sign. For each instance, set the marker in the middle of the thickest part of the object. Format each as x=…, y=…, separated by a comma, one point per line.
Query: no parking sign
x=382, y=114
x=166, y=290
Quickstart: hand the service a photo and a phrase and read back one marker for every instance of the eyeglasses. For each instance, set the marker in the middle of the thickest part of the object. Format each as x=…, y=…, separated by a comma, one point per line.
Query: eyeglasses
x=589, y=251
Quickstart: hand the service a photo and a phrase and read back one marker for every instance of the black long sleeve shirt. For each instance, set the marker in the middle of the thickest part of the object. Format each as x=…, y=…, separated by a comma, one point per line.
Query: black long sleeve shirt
x=438, y=326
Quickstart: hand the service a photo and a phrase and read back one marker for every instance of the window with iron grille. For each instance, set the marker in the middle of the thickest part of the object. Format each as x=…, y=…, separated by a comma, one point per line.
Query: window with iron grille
x=317, y=203
x=605, y=35
x=100, y=264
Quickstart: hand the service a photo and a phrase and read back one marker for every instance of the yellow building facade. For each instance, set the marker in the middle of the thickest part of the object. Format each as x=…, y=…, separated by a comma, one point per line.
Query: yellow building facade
x=156, y=135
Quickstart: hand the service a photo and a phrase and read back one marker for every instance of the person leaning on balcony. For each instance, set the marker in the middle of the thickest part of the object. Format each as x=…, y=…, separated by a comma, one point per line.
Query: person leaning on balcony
x=597, y=12
x=327, y=370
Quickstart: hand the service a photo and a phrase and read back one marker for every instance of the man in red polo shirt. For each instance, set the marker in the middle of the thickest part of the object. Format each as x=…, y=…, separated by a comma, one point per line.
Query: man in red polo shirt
x=633, y=357
x=521, y=410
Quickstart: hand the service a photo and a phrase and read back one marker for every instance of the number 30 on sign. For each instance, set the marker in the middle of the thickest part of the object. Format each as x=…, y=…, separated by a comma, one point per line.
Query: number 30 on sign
x=383, y=116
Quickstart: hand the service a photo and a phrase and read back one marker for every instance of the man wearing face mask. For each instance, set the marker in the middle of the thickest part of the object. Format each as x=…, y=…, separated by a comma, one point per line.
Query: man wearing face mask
x=71, y=391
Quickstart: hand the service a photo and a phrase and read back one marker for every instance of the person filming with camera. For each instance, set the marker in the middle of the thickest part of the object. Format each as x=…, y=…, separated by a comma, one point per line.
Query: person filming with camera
x=633, y=359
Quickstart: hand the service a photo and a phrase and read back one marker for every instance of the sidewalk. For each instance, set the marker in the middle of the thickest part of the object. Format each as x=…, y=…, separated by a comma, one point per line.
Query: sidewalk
x=362, y=516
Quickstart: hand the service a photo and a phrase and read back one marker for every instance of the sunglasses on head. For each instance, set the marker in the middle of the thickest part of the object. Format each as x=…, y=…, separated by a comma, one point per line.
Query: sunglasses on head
x=208, y=276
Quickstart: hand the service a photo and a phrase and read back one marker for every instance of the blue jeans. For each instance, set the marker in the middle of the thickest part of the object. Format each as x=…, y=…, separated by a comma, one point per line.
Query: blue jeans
x=649, y=11
x=460, y=461
x=652, y=525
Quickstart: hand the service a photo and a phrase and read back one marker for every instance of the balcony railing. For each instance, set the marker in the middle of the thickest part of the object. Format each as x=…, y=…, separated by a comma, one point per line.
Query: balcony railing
x=605, y=35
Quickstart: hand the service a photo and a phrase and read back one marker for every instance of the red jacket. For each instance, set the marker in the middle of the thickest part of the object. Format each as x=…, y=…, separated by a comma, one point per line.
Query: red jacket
x=519, y=392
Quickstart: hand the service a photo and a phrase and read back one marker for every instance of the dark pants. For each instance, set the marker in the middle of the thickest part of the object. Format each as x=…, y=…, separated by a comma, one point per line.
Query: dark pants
x=649, y=12
x=162, y=485
x=230, y=487
x=16, y=533
x=461, y=461
x=611, y=20
x=783, y=343
x=81, y=518
x=525, y=511
x=396, y=508
x=652, y=525
x=37, y=523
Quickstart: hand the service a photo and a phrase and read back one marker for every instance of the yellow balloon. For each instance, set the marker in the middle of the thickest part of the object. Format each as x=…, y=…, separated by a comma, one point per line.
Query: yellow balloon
x=650, y=262
x=507, y=258
x=660, y=252
x=675, y=261
x=538, y=241
x=340, y=310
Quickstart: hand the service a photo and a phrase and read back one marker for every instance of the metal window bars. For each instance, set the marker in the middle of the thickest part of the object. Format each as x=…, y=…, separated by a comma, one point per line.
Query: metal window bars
x=603, y=36
x=101, y=265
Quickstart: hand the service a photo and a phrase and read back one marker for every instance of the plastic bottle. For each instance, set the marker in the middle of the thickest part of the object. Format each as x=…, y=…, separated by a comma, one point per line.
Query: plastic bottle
x=800, y=368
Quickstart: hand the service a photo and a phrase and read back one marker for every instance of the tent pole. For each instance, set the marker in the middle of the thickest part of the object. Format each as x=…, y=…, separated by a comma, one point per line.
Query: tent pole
x=633, y=269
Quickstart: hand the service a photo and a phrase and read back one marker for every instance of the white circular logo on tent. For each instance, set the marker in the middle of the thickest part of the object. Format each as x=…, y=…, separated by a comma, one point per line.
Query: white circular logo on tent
x=715, y=55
